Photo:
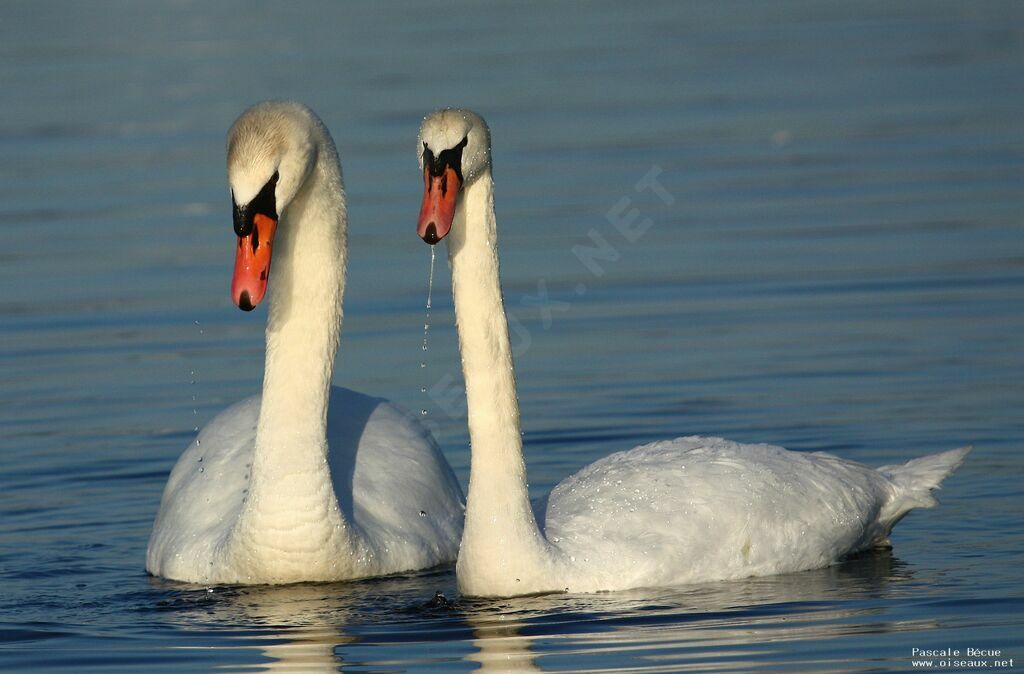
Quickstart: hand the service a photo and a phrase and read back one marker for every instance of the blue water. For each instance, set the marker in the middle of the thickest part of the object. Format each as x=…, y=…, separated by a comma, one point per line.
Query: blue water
x=835, y=262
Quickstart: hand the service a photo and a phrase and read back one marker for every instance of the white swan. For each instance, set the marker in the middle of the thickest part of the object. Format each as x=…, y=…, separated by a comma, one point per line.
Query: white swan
x=306, y=482
x=685, y=510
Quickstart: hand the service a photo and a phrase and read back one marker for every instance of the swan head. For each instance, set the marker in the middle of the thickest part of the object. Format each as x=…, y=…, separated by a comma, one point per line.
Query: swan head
x=454, y=148
x=271, y=149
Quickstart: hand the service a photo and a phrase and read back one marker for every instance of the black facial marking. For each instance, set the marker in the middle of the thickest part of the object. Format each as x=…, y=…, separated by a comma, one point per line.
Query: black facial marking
x=450, y=158
x=264, y=203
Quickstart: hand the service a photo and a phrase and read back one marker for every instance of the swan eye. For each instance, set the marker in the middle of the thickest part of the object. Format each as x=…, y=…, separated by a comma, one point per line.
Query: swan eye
x=450, y=158
x=264, y=203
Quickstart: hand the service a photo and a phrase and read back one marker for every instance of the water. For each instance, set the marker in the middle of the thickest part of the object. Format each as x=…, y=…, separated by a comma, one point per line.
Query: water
x=426, y=330
x=836, y=262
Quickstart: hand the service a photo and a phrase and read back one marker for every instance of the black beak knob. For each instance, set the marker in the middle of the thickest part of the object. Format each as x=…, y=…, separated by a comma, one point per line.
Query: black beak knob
x=430, y=236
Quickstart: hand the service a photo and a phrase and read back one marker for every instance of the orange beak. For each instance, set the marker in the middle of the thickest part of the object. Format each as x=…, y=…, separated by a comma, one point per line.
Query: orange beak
x=438, y=209
x=252, y=263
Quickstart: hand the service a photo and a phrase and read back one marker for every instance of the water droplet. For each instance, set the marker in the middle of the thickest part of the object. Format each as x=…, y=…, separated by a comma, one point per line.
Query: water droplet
x=423, y=513
x=200, y=459
x=430, y=280
x=201, y=469
x=426, y=323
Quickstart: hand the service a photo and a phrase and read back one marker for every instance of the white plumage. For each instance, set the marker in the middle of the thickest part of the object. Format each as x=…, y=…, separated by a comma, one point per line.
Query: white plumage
x=686, y=510
x=695, y=509
x=306, y=481
x=394, y=489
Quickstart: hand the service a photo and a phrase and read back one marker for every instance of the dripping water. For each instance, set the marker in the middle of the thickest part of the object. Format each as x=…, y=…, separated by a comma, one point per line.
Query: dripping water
x=192, y=383
x=426, y=326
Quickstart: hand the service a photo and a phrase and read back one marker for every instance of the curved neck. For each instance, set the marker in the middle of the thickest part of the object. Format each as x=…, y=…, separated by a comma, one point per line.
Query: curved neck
x=501, y=535
x=291, y=510
x=306, y=287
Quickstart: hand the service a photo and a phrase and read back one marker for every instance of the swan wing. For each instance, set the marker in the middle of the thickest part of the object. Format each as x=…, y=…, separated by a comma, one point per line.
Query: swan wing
x=393, y=482
x=204, y=493
x=696, y=509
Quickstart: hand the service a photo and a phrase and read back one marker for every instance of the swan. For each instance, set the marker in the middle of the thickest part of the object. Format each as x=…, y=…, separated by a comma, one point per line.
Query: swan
x=692, y=509
x=306, y=482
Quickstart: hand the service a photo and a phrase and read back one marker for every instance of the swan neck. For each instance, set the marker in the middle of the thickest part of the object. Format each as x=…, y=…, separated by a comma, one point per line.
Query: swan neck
x=494, y=430
x=500, y=528
x=304, y=323
x=291, y=511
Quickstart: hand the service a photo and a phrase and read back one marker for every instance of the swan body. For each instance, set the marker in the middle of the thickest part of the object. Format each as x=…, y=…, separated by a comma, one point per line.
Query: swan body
x=304, y=482
x=691, y=509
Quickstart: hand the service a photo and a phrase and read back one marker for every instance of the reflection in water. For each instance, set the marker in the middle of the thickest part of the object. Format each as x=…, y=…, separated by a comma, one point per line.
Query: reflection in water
x=308, y=627
x=717, y=626
x=309, y=617
x=308, y=649
x=501, y=646
x=295, y=627
x=746, y=624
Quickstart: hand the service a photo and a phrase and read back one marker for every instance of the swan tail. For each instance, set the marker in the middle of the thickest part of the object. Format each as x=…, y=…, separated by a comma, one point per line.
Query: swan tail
x=913, y=484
